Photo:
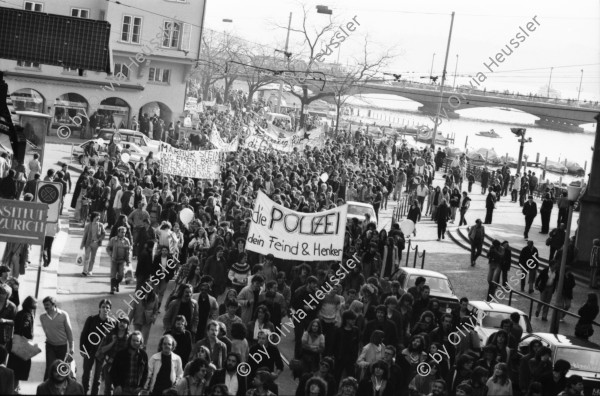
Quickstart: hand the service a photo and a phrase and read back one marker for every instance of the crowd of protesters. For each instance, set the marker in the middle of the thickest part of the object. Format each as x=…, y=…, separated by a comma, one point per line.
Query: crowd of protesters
x=222, y=306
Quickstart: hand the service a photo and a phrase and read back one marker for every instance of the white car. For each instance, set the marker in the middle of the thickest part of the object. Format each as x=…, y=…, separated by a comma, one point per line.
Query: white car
x=358, y=210
x=131, y=136
x=489, y=316
x=136, y=153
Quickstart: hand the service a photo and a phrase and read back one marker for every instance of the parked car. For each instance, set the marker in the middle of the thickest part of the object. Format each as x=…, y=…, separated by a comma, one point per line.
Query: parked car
x=136, y=153
x=129, y=135
x=359, y=209
x=583, y=355
x=440, y=286
x=489, y=315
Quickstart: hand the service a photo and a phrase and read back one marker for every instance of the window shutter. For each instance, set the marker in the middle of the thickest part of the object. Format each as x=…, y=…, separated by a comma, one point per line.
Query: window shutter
x=186, y=37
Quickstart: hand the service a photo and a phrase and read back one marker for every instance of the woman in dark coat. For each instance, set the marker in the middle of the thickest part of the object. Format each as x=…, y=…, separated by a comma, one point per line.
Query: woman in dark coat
x=84, y=176
x=546, y=212
x=24, y=323
x=443, y=214
x=588, y=312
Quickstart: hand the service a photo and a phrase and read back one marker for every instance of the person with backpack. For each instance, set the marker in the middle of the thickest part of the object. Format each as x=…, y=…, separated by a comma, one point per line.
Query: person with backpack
x=495, y=256
x=476, y=237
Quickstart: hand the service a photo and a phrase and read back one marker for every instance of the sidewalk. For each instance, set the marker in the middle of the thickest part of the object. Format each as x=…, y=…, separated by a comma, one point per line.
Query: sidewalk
x=48, y=287
x=453, y=259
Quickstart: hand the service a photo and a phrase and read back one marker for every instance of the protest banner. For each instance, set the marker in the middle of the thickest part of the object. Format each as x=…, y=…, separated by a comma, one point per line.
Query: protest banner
x=265, y=141
x=217, y=141
x=186, y=163
x=291, y=235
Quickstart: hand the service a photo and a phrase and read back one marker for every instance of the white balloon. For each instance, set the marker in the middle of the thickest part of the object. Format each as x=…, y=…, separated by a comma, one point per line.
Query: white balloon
x=324, y=177
x=407, y=227
x=186, y=215
x=125, y=157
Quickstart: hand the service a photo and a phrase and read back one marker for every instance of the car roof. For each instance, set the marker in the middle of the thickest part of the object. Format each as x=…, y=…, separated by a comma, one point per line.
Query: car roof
x=567, y=341
x=492, y=306
x=122, y=131
x=423, y=272
x=354, y=203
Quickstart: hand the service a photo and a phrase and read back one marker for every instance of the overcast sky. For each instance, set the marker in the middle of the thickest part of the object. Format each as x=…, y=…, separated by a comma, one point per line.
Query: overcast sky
x=568, y=35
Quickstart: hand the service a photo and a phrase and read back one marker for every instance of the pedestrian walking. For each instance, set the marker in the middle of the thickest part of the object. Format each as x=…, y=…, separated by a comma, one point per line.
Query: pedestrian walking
x=490, y=205
x=443, y=215
x=556, y=239
x=414, y=214
x=563, y=209
x=495, y=257
x=546, y=212
x=546, y=284
x=530, y=211
x=485, y=179
x=476, y=237
x=506, y=263
x=119, y=250
x=59, y=334
x=587, y=314
x=91, y=336
x=93, y=234
x=529, y=261
x=465, y=204
x=454, y=203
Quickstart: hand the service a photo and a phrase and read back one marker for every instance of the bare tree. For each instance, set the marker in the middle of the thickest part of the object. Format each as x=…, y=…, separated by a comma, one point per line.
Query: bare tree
x=315, y=80
x=350, y=81
x=257, y=71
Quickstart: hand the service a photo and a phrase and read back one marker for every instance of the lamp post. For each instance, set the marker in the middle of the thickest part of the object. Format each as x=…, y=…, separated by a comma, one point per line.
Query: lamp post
x=431, y=71
x=573, y=191
x=520, y=132
x=580, y=81
x=549, y=81
x=455, y=69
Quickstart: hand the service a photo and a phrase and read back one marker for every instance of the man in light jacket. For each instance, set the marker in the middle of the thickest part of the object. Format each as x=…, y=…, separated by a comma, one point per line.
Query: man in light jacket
x=93, y=234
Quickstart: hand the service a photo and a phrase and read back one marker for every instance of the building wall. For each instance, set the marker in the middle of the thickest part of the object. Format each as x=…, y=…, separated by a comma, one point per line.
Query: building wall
x=142, y=58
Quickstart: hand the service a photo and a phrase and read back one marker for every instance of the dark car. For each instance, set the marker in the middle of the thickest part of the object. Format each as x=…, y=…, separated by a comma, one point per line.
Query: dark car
x=583, y=355
x=440, y=287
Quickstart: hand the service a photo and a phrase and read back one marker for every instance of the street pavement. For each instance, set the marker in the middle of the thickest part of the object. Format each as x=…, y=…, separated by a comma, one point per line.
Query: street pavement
x=79, y=296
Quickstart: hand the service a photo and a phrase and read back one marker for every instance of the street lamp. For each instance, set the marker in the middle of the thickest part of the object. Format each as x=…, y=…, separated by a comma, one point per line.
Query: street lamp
x=580, y=81
x=285, y=53
x=520, y=133
x=321, y=9
x=455, y=69
x=573, y=191
x=431, y=71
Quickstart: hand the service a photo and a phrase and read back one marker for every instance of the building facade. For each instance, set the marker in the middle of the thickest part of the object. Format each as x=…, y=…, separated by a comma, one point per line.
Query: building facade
x=154, y=45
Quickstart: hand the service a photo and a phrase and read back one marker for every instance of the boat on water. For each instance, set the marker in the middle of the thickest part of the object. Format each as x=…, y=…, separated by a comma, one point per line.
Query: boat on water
x=424, y=135
x=556, y=167
x=491, y=134
x=573, y=168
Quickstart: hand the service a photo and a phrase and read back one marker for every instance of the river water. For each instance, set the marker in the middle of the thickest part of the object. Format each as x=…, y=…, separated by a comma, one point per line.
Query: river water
x=555, y=145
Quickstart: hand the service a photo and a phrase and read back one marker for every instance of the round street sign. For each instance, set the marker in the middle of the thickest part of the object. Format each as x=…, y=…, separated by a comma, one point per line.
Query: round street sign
x=48, y=194
x=117, y=138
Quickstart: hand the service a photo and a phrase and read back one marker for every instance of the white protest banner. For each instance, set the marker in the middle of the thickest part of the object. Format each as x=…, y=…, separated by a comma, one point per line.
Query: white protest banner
x=257, y=142
x=217, y=141
x=186, y=163
x=291, y=235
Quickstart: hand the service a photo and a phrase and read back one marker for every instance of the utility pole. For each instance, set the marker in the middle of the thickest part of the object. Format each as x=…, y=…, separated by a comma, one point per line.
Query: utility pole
x=431, y=71
x=549, y=81
x=580, y=81
x=285, y=54
x=439, y=109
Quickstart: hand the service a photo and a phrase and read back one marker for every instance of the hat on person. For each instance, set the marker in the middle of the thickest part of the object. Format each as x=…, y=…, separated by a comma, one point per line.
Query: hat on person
x=240, y=268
